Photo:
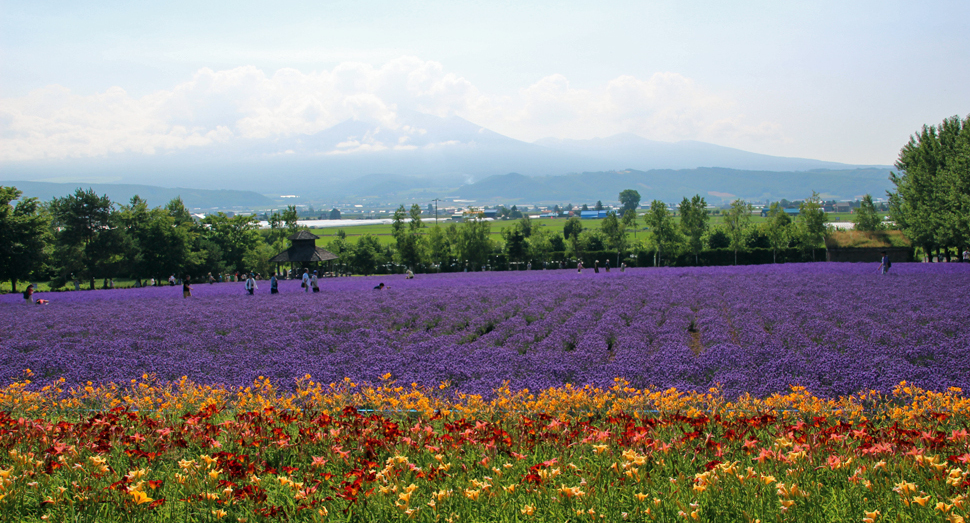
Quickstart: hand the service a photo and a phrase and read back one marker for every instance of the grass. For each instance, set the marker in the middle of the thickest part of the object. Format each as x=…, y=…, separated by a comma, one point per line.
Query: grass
x=868, y=240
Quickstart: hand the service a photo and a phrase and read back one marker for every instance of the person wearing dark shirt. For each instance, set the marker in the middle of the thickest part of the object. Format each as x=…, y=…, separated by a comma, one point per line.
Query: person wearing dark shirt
x=186, y=288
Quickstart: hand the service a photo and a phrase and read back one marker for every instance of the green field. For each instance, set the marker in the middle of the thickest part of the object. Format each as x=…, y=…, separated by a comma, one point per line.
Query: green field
x=383, y=232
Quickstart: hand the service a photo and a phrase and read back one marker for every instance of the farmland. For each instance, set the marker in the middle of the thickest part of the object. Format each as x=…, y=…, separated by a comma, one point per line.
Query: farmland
x=797, y=392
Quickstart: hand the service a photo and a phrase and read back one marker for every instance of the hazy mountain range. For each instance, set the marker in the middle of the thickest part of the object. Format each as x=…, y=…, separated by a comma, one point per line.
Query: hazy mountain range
x=422, y=156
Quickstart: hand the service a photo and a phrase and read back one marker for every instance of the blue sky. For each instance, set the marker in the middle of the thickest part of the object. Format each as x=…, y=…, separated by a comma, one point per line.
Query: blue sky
x=838, y=81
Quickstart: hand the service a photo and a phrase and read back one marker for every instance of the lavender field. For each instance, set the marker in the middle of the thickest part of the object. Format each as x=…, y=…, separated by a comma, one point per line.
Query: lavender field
x=833, y=328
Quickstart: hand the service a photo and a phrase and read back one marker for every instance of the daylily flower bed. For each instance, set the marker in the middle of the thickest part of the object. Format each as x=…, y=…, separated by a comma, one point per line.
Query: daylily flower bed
x=351, y=452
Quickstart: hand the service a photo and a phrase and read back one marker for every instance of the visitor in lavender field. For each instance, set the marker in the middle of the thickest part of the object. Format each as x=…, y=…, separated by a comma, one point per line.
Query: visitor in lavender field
x=885, y=263
x=171, y=281
x=212, y=279
x=607, y=266
x=409, y=275
x=596, y=266
x=274, y=284
x=29, y=294
x=966, y=255
x=579, y=266
x=623, y=267
x=306, y=280
x=379, y=287
x=314, y=282
x=251, y=284
x=528, y=266
x=186, y=288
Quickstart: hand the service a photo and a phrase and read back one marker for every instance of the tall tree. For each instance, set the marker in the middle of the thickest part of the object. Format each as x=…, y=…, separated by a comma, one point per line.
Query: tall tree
x=473, y=244
x=777, y=229
x=693, y=223
x=80, y=219
x=235, y=237
x=866, y=218
x=599, y=205
x=571, y=231
x=24, y=236
x=736, y=221
x=630, y=221
x=630, y=199
x=615, y=232
x=930, y=203
x=663, y=230
x=811, y=222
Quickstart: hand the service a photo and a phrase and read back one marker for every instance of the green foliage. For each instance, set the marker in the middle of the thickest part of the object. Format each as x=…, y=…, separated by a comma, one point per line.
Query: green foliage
x=663, y=230
x=630, y=199
x=867, y=219
x=367, y=254
x=79, y=220
x=24, y=236
x=736, y=222
x=693, y=222
x=473, y=244
x=718, y=238
x=811, y=221
x=932, y=196
x=777, y=228
x=235, y=237
x=614, y=231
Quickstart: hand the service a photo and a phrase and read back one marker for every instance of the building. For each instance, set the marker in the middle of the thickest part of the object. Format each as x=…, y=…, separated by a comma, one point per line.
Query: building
x=303, y=251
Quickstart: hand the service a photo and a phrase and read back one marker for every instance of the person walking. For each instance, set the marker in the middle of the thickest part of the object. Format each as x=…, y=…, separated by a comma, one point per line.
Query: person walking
x=251, y=284
x=596, y=266
x=579, y=266
x=306, y=280
x=885, y=264
x=274, y=285
x=29, y=294
x=313, y=282
x=186, y=288
x=607, y=266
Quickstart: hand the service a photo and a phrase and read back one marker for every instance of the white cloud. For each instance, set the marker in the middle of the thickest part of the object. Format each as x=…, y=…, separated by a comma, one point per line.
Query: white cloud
x=245, y=103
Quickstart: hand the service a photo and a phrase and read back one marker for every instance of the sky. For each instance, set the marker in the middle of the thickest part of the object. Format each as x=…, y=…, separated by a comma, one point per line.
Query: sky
x=837, y=81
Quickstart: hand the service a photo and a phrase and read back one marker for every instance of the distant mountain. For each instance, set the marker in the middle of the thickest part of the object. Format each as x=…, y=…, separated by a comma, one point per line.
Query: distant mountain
x=717, y=185
x=445, y=152
x=631, y=151
x=193, y=199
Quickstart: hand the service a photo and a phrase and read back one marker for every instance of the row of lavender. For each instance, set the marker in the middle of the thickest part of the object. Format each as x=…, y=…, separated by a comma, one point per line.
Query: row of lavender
x=834, y=328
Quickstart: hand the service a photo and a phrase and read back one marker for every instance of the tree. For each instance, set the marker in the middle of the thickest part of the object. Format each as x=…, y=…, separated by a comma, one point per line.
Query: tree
x=777, y=229
x=571, y=231
x=599, y=205
x=366, y=255
x=235, y=237
x=630, y=199
x=615, y=232
x=866, y=218
x=416, y=222
x=290, y=218
x=516, y=245
x=335, y=214
x=473, y=245
x=630, y=220
x=24, y=236
x=693, y=223
x=663, y=231
x=736, y=221
x=439, y=247
x=932, y=196
x=80, y=219
x=585, y=207
x=811, y=222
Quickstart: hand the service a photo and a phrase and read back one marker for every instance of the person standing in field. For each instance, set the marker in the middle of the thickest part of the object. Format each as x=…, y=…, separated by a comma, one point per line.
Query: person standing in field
x=885, y=263
x=306, y=280
x=274, y=285
x=251, y=284
x=579, y=266
x=186, y=288
x=313, y=282
x=29, y=294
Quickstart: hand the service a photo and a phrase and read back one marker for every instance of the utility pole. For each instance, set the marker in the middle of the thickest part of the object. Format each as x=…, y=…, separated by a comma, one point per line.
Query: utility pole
x=436, y=200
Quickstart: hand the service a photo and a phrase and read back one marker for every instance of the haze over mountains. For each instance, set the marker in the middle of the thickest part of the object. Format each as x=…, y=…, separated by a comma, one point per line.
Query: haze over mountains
x=420, y=155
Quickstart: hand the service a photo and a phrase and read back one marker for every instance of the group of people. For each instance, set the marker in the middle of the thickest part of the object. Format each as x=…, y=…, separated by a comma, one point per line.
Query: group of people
x=596, y=266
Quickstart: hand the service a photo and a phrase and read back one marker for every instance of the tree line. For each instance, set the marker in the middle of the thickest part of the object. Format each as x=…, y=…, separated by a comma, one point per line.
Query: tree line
x=931, y=201
x=86, y=237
